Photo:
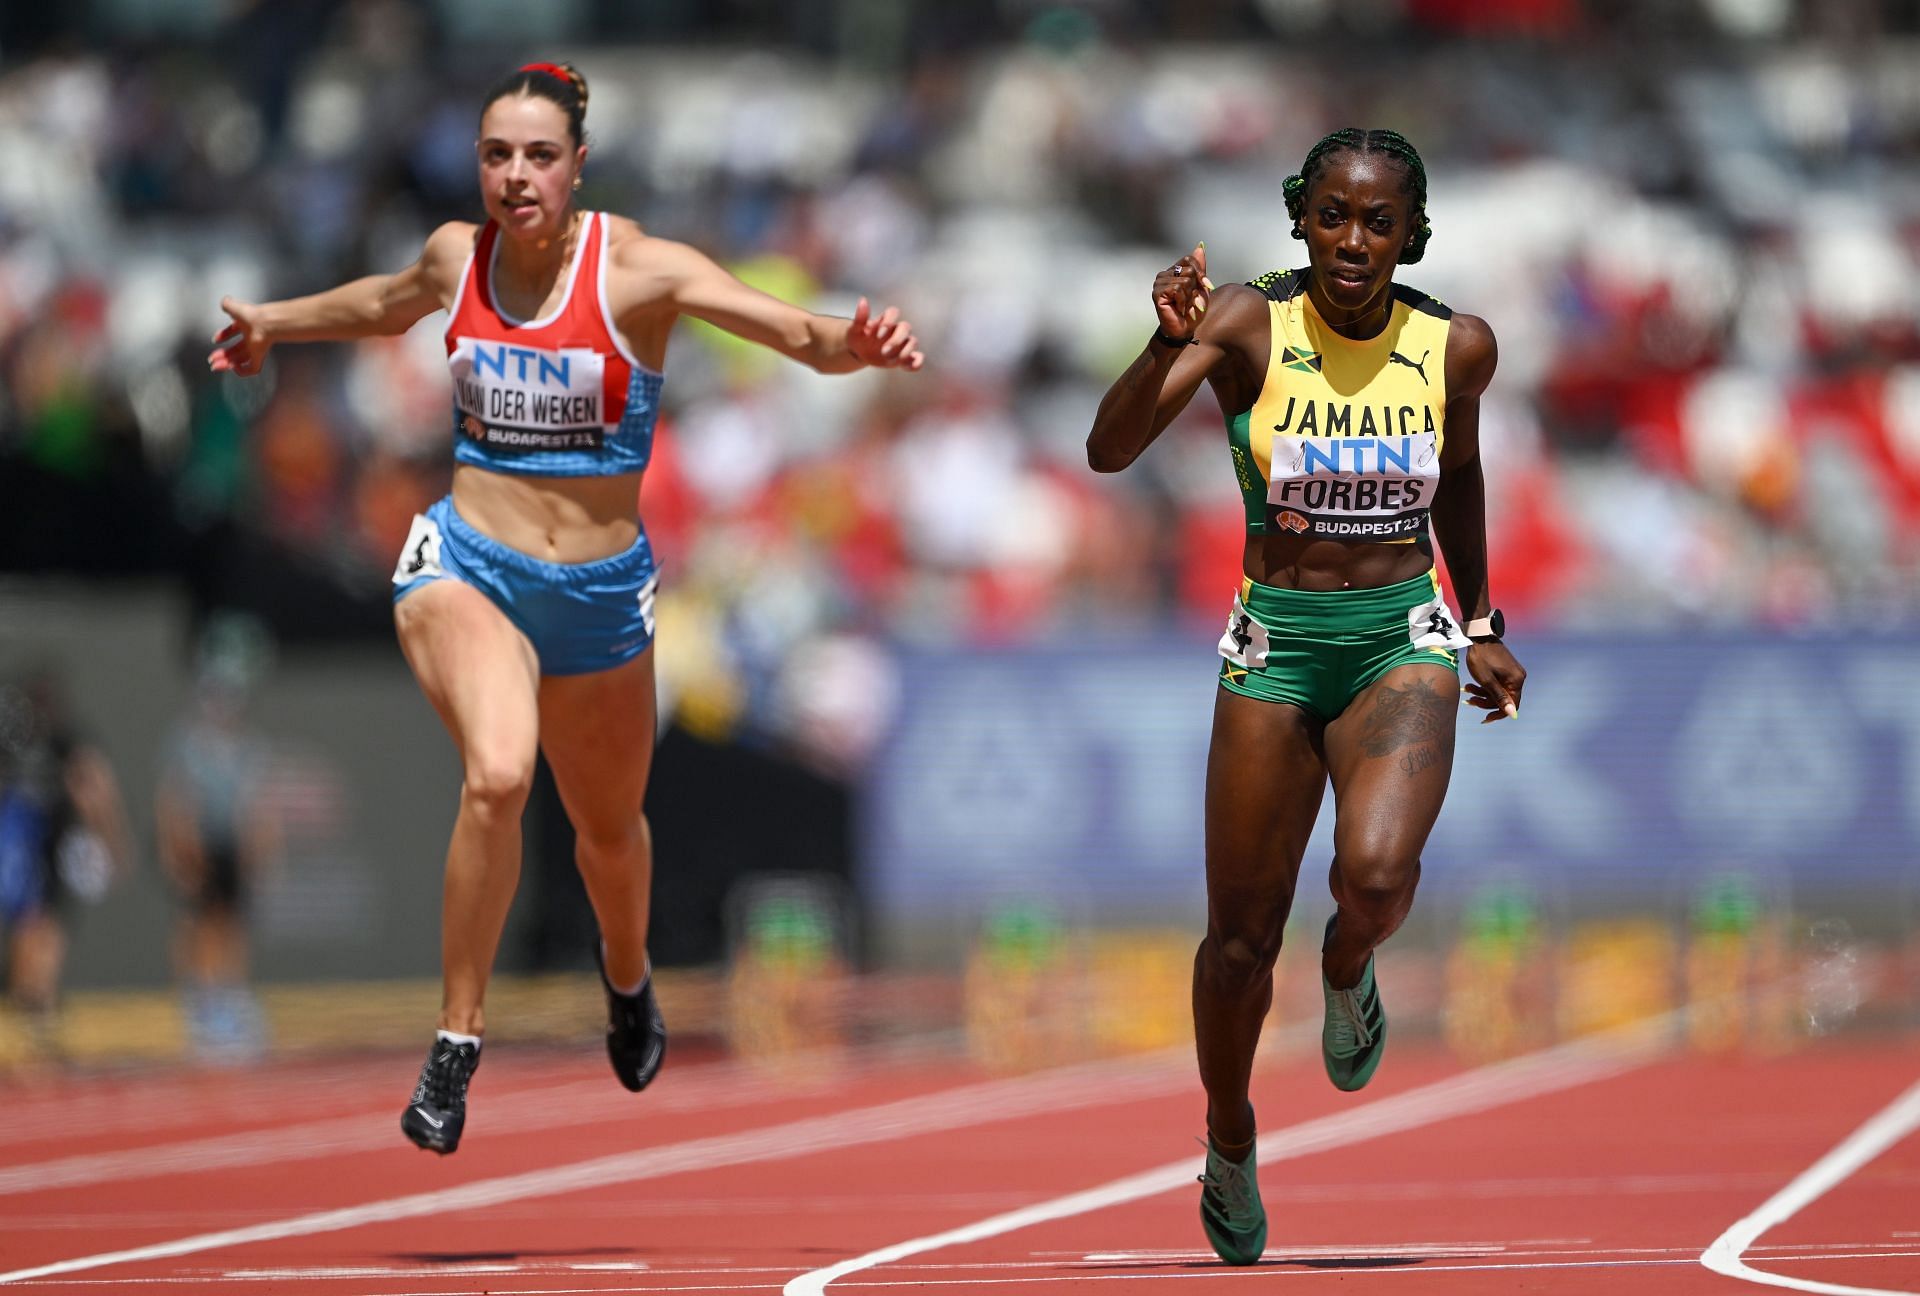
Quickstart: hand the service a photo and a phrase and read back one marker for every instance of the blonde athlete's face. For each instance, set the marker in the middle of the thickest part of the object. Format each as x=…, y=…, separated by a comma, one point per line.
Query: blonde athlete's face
x=528, y=162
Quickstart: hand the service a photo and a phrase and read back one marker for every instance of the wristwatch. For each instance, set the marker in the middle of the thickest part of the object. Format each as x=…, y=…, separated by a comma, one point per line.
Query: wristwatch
x=1487, y=629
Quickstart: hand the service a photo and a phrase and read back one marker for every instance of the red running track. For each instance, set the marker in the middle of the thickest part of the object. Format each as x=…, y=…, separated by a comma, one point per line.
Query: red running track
x=727, y=1178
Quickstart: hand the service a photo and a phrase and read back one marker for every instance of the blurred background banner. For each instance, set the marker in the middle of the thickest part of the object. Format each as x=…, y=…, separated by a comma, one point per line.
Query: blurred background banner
x=1644, y=766
x=912, y=652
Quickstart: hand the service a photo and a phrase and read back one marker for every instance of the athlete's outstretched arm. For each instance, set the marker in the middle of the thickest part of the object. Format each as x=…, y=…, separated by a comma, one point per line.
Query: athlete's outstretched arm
x=1158, y=385
x=1460, y=513
x=697, y=285
x=371, y=307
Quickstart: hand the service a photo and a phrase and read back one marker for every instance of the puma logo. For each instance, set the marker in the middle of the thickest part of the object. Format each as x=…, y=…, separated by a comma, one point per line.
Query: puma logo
x=1394, y=357
x=418, y=562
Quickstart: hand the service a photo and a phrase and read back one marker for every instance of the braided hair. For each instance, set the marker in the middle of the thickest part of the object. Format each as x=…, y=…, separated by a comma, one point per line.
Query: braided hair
x=1354, y=139
x=559, y=83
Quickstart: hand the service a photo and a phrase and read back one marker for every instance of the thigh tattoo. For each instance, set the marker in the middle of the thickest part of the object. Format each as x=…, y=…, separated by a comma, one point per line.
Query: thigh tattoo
x=1407, y=717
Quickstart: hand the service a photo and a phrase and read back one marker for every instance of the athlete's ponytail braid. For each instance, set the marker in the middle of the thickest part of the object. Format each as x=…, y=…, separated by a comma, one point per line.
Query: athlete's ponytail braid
x=1353, y=138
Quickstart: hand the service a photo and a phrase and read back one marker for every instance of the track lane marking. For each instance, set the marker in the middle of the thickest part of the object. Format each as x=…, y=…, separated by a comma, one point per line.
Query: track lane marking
x=1268, y=1271
x=557, y=1106
x=1279, y=1263
x=1888, y=1127
x=1546, y=1071
x=1064, y=1088
x=212, y=1097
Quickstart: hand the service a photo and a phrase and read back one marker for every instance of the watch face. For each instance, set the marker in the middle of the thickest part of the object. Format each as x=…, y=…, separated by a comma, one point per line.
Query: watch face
x=1498, y=621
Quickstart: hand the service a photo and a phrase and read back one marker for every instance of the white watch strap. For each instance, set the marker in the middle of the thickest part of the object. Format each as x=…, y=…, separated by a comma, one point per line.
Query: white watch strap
x=1480, y=628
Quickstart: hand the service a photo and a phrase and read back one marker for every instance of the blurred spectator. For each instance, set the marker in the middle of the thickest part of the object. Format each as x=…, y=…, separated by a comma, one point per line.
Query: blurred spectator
x=1706, y=402
x=217, y=834
x=63, y=840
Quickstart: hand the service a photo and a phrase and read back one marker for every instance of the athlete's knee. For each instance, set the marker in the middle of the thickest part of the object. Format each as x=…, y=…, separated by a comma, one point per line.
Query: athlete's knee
x=1238, y=962
x=1376, y=884
x=613, y=836
x=497, y=784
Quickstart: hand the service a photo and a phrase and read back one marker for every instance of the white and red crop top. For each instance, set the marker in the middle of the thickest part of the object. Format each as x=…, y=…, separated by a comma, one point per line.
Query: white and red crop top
x=561, y=396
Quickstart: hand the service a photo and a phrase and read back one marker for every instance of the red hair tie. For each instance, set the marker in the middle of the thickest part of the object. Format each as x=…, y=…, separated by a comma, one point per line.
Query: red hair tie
x=553, y=70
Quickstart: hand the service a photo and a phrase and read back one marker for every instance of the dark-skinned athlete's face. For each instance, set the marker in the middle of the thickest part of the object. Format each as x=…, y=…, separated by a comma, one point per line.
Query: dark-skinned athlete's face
x=1358, y=222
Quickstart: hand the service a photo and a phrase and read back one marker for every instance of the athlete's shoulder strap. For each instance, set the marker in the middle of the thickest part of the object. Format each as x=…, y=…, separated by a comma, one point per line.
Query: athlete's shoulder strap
x=1414, y=299
x=474, y=276
x=1280, y=285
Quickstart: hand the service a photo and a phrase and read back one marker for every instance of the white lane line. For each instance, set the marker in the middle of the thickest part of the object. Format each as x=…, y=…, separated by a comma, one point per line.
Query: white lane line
x=1509, y=1247
x=1487, y=1087
x=416, y=1271
x=1891, y=1125
x=980, y=1202
x=576, y=1102
x=1268, y=1271
x=131, y=1106
x=1087, y=1085
x=145, y=1106
x=1289, y=1253
x=1276, y=1264
x=1215, y=1273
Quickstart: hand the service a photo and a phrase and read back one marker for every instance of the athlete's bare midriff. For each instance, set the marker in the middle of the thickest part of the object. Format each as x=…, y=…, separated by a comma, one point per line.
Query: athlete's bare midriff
x=554, y=519
x=1291, y=562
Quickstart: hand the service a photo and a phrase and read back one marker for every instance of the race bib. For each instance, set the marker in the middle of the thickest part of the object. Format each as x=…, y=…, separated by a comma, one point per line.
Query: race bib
x=1245, y=642
x=527, y=398
x=420, y=556
x=1368, y=487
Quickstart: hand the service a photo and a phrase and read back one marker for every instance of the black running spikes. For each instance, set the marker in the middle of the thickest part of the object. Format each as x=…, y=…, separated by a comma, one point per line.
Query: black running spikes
x=438, y=1110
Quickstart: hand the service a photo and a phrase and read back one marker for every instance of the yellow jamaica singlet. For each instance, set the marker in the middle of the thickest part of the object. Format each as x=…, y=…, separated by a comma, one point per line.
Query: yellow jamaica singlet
x=1343, y=442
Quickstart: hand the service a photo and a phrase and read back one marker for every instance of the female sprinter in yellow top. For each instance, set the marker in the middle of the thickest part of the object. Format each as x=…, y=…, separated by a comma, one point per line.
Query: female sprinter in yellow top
x=524, y=600
x=1353, y=418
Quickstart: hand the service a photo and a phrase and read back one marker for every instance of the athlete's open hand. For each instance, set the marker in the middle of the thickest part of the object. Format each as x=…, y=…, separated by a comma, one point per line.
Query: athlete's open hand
x=885, y=341
x=1497, y=681
x=241, y=347
x=1180, y=293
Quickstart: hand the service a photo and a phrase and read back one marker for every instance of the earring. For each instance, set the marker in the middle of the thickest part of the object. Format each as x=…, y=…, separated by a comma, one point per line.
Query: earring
x=576, y=182
x=1298, y=233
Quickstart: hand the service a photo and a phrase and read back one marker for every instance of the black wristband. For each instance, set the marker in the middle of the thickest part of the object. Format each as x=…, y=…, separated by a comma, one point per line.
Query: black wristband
x=1160, y=336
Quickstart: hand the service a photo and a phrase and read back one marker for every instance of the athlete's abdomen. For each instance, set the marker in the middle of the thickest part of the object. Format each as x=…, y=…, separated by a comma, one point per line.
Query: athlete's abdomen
x=554, y=519
x=1289, y=561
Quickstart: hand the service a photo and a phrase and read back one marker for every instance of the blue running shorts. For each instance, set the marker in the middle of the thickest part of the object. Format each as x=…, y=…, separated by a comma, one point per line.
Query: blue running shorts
x=581, y=617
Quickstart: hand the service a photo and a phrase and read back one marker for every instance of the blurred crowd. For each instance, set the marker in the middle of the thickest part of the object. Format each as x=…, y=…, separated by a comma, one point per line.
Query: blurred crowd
x=1699, y=245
